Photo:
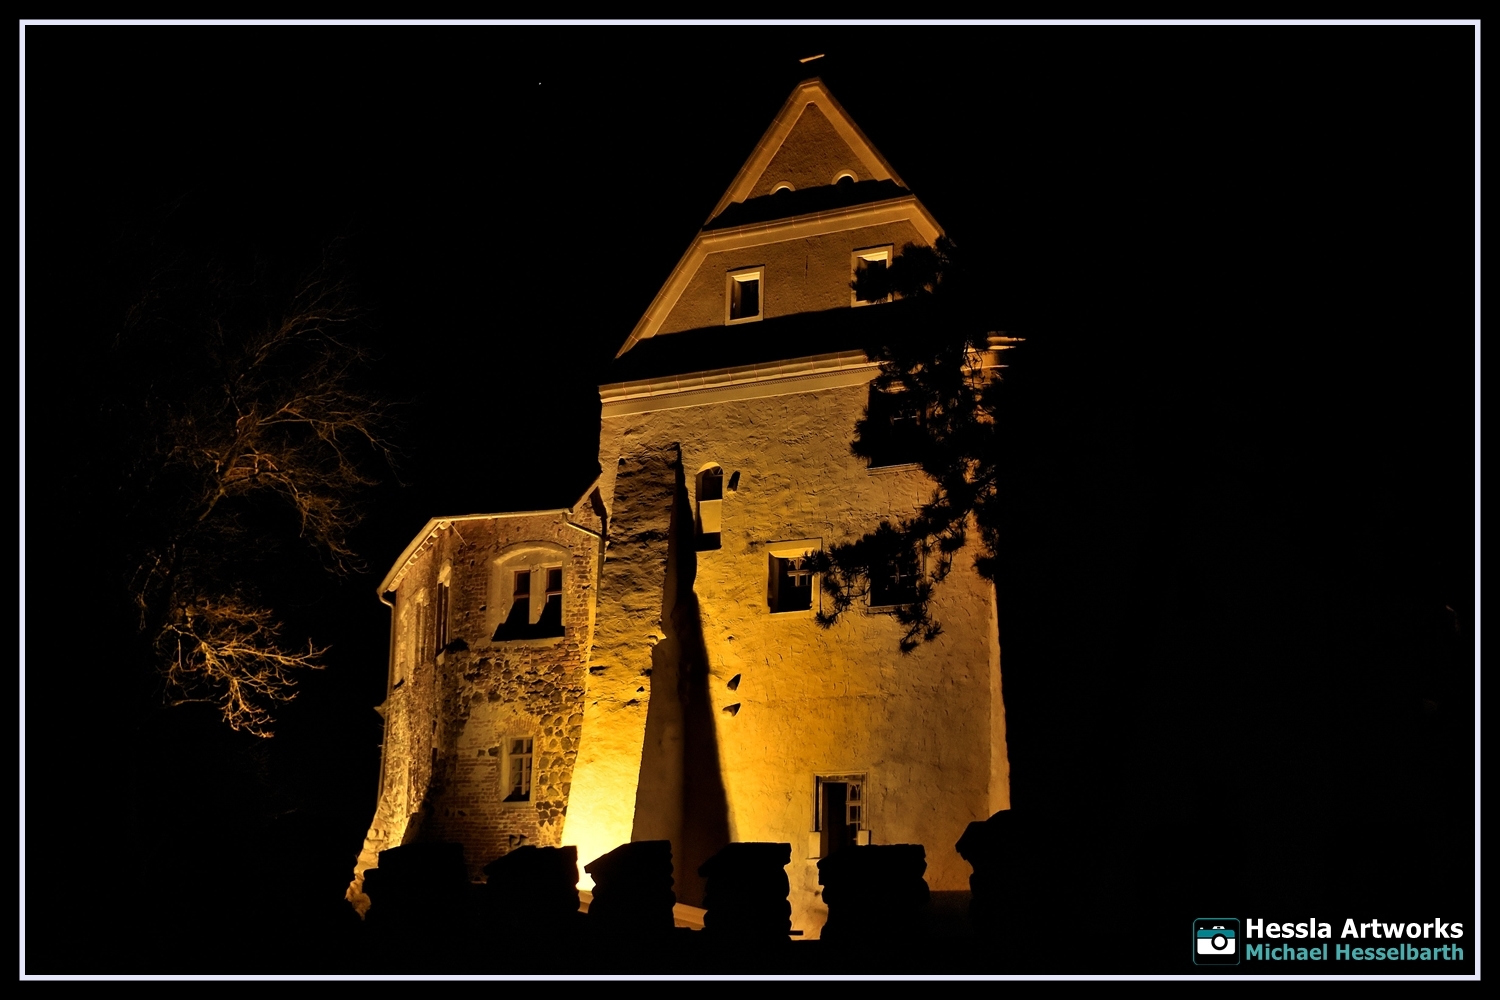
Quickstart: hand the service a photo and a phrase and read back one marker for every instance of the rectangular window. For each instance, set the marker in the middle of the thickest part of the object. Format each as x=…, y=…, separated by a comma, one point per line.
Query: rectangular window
x=869, y=266
x=791, y=584
x=894, y=428
x=440, y=642
x=547, y=622
x=840, y=815
x=895, y=582
x=744, y=294
x=518, y=770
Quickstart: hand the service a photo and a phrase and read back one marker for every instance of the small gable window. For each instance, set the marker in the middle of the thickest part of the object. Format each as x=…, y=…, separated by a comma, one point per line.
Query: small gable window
x=744, y=295
x=869, y=266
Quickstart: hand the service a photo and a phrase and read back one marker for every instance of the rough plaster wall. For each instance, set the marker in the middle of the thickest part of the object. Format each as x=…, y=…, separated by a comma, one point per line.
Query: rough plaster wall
x=811, y=155
x=802, y=275
x=813, y=701
x=999, y=753
x=601, y=810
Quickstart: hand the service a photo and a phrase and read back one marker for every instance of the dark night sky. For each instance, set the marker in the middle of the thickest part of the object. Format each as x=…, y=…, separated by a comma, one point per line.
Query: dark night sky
x=1243, y=261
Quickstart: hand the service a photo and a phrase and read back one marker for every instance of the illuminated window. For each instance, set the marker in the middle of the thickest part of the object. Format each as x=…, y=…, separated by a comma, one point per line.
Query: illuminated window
x=792, y=584
x=840, y=819
x=710, y=496
x=743, y=295
x=518, y=769
x=868, y=263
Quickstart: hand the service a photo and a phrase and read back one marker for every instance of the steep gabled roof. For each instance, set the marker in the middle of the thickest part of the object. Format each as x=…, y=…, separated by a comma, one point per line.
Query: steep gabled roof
x=799, y=139
x=813, y=174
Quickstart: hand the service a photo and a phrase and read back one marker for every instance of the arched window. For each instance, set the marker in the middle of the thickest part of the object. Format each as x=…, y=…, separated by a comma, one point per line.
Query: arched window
x=527, y=593
x=710, y=494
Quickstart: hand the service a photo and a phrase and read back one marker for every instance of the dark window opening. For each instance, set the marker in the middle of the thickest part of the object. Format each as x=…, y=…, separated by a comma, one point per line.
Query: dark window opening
x=869, y=283
x=895, y=582
x=894, y=430
x=518, y=624
x=710, y=507
x=791, y=584
x=744, y=298
x=840, y=812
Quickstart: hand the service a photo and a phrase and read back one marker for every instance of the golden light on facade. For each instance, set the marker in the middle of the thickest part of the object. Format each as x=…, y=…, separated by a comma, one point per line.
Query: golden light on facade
x=686, y=692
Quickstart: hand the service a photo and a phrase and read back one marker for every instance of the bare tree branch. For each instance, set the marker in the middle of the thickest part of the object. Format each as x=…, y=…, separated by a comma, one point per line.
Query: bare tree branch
x=251, y=416
x=228, y=653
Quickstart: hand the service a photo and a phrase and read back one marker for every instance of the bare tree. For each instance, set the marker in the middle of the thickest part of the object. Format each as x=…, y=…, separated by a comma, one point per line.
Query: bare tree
x=253, y=418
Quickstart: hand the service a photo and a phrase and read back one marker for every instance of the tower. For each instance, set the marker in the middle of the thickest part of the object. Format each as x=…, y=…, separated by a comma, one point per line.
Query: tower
x=646, y=664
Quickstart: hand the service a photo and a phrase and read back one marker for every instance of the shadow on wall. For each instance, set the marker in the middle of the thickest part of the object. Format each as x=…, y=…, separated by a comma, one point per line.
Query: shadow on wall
x=681, y=794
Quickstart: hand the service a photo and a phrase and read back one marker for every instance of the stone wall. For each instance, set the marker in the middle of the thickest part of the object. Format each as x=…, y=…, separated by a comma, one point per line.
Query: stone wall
x=449, y=713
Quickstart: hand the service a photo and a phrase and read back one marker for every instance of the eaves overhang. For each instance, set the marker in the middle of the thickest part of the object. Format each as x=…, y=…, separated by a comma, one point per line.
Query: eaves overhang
x=413, y=550
x=778, y=378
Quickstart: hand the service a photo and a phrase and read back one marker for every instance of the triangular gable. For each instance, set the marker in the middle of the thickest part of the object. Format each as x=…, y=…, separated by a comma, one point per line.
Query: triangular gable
x=810, y=141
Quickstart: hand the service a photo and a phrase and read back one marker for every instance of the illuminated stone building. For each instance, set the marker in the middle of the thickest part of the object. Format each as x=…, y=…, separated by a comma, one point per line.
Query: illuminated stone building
x=645, y=664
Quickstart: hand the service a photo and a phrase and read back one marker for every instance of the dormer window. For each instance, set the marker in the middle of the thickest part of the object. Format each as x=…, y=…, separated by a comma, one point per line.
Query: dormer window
x=867, y=263
x=743, y=295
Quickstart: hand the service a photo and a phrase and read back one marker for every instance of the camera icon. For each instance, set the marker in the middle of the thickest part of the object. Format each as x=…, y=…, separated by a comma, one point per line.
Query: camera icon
x=1216, y=941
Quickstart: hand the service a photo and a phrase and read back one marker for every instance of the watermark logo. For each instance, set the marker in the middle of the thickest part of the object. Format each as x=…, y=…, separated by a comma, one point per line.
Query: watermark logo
x=1216, y=941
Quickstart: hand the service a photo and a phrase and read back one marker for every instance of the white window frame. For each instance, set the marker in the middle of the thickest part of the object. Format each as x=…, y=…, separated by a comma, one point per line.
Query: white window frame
x=886, y=253
x=509, y=757
x=862, y=826
x=758, y=274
